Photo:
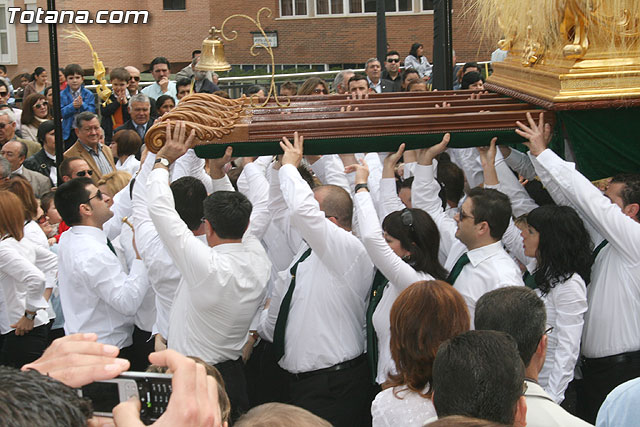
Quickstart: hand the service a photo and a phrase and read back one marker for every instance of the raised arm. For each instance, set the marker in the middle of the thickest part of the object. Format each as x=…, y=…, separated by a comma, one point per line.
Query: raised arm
x=389, y=200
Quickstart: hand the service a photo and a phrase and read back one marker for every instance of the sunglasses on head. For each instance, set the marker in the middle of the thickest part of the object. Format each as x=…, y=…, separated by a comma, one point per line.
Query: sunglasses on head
x=84, y=173
x=393, y=60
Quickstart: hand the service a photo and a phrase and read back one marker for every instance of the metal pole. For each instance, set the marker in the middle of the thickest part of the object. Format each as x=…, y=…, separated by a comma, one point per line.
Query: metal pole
x=381, y=25
x=55, y=83
x=442, y=46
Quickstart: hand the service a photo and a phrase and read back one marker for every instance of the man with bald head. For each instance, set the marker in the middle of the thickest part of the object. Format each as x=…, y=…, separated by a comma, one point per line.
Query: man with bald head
x=320, y=300
x=16, y=153
x=134, y=80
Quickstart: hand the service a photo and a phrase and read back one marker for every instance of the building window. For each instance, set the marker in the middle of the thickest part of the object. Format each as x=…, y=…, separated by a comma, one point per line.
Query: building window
x=174, y=4
x=32, y=33
x=427, y=5
x=293, y=7
x=329, y=7
x=8, y=48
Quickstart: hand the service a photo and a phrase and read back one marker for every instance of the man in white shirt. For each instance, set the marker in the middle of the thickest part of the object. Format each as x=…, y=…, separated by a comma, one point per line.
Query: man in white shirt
x=518, y=311
x=223, y=282
x=161, y=69
x=476, y=260
x=96, y=295
x=319, y=333
x=611, y=333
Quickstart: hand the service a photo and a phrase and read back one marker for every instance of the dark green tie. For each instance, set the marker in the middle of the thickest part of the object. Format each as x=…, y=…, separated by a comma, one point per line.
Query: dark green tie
x=283, y=313
x=111, y=247
x=529, y=280
x=379, y=283
x=597, y=250
x=457, y=268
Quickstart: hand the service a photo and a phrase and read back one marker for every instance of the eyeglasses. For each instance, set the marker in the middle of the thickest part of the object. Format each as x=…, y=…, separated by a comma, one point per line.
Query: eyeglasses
x=407, y=218
x=3, y=93
x=548, y=330
x=525, y=387
x=98, y=195
x=44, y=104
x=136, y=78
x=393, y=60
x=42, y=219
x=84, y=173
x=323, y=91
x=2, y=125
x=464, y=215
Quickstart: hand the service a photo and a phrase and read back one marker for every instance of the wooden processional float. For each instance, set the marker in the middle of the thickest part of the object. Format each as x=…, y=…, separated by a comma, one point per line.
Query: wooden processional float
x=341, y=124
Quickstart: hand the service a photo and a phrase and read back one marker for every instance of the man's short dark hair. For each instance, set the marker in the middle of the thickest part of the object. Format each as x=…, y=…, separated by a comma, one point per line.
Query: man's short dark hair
x=3, y=68
x=30, y=399
x=80, y=118
x=183, y=82
x=493, y=207
x=160, y=60
x=516, y=310
x=72, y=70
x=228, y=212
x=188, y=195
x=478, y=374
x=195, y=52
x=631, y=191
x=357, y=77
x=289, y=85
x=69, y=197
x=468, y=65
x=65, y=166
x=3, y=83
x=391, y=53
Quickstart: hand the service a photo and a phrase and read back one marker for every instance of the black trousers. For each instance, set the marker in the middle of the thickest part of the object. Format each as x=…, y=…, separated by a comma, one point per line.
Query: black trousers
x=235, y=384
x=20, y=350
x=600, y=377
x=340, y=397
x=266, y=380
x=142, y=346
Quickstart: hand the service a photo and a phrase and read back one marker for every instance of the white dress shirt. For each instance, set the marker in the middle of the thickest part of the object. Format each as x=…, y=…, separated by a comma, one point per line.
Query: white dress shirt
x=326, y=323
x=154, y=91
x=610, y=324
x=400, y=275
x=34, y=234
x=490, y=266
x=408, y=409
x=23, y=267
x=131, y=165
x=96, y=295
x=221, y=287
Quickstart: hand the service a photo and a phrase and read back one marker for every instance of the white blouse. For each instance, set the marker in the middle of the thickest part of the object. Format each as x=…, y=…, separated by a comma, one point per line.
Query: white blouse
x=566, y=305
x=23, y=267
x=130, y=165
x=408, y=409
x=400, y=275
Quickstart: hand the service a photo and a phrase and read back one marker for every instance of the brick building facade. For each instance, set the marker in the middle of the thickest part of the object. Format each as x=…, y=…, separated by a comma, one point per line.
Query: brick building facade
x=324, y=33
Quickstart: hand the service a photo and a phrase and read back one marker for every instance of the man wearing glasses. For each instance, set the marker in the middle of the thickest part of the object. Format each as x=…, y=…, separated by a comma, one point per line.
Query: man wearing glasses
x=96, y=294
x=15, y=152
x=133, y=82
x=392, y=70
x=88, y=146
x=8, y=126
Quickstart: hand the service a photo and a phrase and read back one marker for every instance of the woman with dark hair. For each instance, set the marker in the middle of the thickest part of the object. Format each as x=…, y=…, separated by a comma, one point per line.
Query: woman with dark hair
x=418, y=61
x=556, y=249
x=314, y=86
x=24, y=268
x=48, y=94
x=472, y=80
x=37, y=83
x=164, y=104
x=405, y=250
x=422, y=317
x=35, y=110
x=125, y=145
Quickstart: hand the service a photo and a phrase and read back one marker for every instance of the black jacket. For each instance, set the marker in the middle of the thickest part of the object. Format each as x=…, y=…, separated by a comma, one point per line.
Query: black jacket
x=39, y=162
x=107, y=113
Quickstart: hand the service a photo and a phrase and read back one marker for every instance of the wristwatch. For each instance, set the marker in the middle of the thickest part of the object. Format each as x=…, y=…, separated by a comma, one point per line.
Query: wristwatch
x=164, y=162
x=29, y=316
x=359, y=186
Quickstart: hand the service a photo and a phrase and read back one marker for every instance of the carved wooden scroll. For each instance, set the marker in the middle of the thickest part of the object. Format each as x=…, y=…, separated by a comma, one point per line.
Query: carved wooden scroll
x=338, y=123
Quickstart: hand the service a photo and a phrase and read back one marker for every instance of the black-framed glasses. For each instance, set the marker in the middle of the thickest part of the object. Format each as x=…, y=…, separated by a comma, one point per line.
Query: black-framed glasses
x=393, y=60
x=464, y=215
x=136, y=78
x=84, y=173
x=4, y=93
x=525, y=387
x=44, y=104
x=321, y=91
x=98, y=195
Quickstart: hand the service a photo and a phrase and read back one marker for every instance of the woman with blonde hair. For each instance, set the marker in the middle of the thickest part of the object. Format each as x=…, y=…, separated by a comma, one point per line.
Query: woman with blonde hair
x=111, y=183
x=23, y=268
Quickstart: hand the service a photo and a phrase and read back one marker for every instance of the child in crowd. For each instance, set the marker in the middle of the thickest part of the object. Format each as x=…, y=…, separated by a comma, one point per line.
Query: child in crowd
x=73, y=100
